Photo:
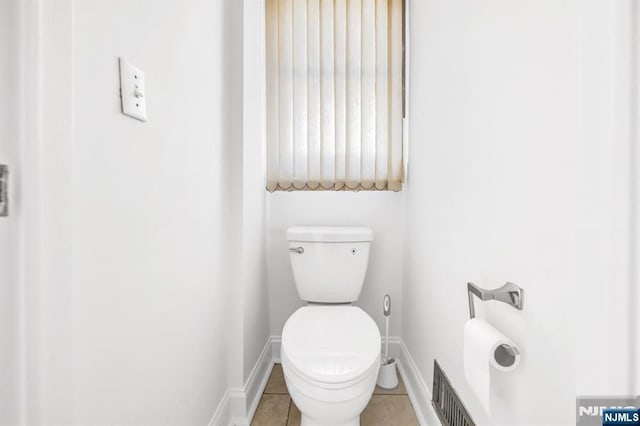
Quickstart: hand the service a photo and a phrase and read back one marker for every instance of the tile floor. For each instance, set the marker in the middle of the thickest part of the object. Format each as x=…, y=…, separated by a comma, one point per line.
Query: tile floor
x=386, y=407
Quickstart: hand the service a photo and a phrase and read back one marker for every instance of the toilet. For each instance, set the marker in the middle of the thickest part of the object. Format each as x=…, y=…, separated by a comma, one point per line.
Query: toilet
x=330, y=349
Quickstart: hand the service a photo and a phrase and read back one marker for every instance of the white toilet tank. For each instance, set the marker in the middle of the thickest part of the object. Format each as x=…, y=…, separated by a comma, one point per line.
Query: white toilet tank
x=329, y=262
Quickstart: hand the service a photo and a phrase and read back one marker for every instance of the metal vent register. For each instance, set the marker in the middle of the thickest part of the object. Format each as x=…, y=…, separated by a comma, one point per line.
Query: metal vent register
x=446, y=401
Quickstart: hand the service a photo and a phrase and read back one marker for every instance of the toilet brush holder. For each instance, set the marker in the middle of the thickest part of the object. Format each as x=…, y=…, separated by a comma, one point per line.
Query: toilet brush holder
x=388, y=375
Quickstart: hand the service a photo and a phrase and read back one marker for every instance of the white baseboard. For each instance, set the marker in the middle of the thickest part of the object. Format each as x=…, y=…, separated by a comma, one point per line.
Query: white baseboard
x=394, y=347
x=258, y=378
x=418, y=391
x=239, y=405
x=276, y=341
x=222, y=415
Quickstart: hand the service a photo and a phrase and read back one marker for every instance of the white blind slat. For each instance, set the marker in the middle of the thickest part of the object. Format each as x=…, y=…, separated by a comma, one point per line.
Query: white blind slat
x=300, y=87
x=341, y=91
x=368, y=82
x=382, y=93
x=327, y=101
x=313, y=92
x=354, y=92
x=394, y=178
x=285, y=97
x=273, y=153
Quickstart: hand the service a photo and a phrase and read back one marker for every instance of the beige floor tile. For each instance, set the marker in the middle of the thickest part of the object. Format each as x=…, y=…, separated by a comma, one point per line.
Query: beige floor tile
x=388, y=410
x=276, y=382
x=387, y=407
x=383, y=410
x=398, y=390
x=273, y=410
x=294, y=415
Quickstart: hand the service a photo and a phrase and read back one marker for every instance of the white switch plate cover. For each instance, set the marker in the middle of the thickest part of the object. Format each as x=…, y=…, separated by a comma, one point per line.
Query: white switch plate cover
x=132, y=91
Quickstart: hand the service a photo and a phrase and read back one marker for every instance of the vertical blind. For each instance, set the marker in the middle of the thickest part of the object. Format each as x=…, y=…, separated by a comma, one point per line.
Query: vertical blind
x=334, y=94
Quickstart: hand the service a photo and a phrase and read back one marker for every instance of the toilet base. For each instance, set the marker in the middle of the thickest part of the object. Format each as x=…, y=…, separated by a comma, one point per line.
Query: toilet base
x=307, y=421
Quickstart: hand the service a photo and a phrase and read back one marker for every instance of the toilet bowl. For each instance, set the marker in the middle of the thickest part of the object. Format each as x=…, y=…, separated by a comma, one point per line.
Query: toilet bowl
x=330, y=358
x=330, y=349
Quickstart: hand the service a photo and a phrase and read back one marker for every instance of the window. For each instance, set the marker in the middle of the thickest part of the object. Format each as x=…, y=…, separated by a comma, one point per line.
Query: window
x=334, y=94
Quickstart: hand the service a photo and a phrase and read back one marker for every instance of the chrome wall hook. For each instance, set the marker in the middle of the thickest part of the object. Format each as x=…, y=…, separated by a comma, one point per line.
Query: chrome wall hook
x=509, y=293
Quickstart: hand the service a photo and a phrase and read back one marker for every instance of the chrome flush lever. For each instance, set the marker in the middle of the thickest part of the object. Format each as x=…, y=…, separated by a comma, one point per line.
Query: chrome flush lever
x=298, y=250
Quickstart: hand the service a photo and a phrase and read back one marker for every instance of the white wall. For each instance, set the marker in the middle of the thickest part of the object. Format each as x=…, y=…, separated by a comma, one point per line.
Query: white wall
x=636, y=195
x=382, y=211
x=9, y=226
x=519, y=173
x=135, y=306
x=151, y=285
x=248, y=322
x=605, y=328
x=249, y=319
x=255, y=300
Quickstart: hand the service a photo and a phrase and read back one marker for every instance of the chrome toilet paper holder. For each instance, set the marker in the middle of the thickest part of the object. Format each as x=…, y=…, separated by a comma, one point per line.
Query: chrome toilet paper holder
x=509, y=293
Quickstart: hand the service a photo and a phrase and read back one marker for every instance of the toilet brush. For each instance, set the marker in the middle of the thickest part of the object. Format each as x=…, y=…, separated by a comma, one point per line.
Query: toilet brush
x=387, y=377
x=386, y=310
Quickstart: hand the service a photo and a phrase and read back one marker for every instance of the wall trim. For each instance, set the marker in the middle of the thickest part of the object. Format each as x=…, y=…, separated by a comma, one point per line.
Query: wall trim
x=417, y=388
x=257, y=380
x=240, y=403
x=222, y=415
x=394, y=347
x=276, y=342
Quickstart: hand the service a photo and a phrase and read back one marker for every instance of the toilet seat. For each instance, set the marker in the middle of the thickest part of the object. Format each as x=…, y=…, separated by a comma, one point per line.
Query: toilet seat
x=331, y=346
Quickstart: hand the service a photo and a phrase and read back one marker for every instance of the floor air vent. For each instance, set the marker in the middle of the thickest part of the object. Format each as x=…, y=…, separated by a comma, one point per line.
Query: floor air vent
x=446, y=402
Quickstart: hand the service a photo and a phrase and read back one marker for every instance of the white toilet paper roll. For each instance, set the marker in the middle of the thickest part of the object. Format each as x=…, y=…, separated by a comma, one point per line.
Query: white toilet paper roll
x=484, y=346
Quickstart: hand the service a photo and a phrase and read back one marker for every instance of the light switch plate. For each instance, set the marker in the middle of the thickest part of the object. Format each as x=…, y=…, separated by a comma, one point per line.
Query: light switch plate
x=132, y=91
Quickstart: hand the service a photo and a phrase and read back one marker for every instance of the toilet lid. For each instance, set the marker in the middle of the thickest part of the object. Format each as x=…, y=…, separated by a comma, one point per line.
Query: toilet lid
x=331, y=344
